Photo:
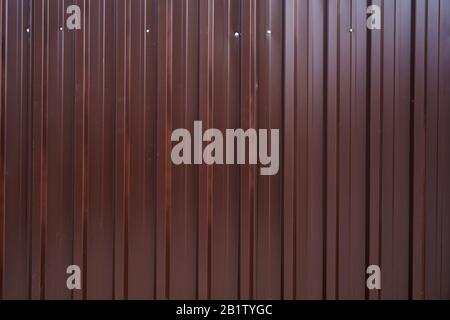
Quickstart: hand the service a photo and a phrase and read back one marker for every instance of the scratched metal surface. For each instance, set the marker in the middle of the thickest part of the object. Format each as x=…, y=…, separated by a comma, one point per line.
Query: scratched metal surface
x=85, y=170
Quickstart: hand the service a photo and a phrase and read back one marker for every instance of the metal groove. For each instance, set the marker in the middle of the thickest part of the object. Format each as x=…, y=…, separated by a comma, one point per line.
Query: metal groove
x=86, y=176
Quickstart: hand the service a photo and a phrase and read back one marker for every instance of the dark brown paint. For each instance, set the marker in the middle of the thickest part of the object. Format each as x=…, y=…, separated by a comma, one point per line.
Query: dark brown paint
x=85, y=170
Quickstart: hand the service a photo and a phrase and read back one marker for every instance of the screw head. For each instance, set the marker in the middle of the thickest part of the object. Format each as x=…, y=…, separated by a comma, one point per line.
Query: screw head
x=236, y=34
x=148, y=31
x=269, y=32
x=61, y=29
x=351, y=30
x=28, y=30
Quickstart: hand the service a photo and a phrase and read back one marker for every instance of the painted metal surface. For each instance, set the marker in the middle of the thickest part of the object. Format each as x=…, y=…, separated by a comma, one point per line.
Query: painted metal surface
x=86, y=176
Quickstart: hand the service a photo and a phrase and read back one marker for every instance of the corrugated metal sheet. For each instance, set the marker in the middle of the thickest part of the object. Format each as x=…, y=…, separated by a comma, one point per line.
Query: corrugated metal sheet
x=85, y=170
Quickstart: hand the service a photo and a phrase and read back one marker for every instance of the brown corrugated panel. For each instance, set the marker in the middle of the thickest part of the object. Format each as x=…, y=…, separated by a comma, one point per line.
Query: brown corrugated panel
x=86, y=176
